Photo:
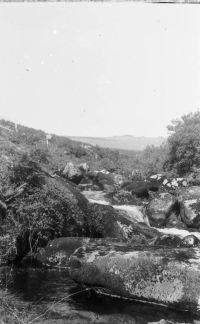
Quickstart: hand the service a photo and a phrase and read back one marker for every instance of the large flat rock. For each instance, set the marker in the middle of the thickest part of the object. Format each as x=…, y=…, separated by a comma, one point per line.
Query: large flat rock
x=164, y=276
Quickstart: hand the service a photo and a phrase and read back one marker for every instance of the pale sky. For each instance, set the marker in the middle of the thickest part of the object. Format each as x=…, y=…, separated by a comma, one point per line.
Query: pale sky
x=99, y=69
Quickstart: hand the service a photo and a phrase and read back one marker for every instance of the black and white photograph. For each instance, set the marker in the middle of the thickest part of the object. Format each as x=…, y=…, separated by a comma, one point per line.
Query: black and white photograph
x=100, y=162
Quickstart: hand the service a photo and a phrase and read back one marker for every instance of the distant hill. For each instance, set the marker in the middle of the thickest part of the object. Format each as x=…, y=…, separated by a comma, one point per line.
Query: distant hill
x=126, y=142
x=17, y=140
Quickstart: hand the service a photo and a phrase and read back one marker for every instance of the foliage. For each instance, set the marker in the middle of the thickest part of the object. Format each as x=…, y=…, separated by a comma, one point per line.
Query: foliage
x=184, y=144
x=26, y=171
x=41, y=155
x=62, y=150
x=79, y=151
x=153, y=159
x=41, y=208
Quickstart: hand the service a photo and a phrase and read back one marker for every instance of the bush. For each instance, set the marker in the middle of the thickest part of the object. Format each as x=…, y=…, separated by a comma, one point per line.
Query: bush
x=79, y=151
x=40, y=155
x=26, y=171
x=184, y=144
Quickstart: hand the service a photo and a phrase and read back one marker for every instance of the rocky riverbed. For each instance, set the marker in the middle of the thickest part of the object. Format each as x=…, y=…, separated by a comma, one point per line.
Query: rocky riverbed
x=109, y=245
x=51, y=296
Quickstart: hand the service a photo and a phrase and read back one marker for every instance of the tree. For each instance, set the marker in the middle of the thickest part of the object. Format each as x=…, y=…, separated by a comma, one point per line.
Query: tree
x=184, y=144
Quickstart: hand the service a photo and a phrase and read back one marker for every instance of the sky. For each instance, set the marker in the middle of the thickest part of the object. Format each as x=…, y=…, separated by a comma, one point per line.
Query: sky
x=99, y=69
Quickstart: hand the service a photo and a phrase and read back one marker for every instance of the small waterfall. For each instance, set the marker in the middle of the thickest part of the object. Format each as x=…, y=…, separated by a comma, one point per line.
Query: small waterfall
x=96, y=197
x=177, y=232
x=135, y=214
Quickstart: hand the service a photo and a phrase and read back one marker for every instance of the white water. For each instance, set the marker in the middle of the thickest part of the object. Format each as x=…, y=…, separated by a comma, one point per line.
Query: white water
x=135, y=214
x=178, y=232
x=96, y=197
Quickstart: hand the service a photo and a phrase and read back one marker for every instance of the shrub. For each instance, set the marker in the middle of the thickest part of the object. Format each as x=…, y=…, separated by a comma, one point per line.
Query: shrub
x=26, y=171
x=184, y=144
x=40, y=155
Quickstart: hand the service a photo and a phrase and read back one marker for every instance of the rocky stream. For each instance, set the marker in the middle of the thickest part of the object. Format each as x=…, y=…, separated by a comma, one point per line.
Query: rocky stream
x=106, y=281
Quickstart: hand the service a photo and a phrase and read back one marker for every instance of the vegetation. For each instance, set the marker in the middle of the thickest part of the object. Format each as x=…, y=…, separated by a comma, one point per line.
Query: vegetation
x=40, y=209
x=60, y=150
x=178, y=156
x=153, y=159
x=184, y=144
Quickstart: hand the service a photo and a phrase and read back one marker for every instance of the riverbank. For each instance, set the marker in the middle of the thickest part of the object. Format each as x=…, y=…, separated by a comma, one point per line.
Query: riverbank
x=138, y=239
x=49, y=296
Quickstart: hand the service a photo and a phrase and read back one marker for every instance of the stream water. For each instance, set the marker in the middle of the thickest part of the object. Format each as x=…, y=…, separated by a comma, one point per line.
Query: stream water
x=98, y=197
x=50, y=296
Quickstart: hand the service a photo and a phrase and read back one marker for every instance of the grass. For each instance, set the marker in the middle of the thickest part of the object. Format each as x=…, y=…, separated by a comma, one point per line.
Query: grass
x=25, y=314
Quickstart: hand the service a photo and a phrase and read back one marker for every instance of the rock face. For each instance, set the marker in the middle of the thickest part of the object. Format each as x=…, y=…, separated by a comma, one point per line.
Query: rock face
x=105, y=221
x=190, y=193
x=190, y=241
x=190, y=206
x=172, y=241
x=160, y=209
x=170, y=277
x=53, y=210
x=72, y=173
x=167, y=183
x=109, y=226
x=118, y=179
x=137, y=188
x=84, y=167
x=154, y=183
x=58, y=251
x=142, y=188
x=194, y=178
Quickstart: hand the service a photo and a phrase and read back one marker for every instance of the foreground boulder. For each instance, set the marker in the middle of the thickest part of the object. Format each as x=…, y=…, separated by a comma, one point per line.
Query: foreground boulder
x=58, y=251
x=165, y=276
x=46, y=208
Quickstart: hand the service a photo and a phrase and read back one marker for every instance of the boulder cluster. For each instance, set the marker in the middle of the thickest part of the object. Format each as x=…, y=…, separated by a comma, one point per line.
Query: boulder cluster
x=141, y=241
